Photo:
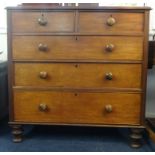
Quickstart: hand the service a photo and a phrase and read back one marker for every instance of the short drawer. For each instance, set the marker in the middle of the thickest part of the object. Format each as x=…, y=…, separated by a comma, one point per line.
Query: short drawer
x=111, y=22
x=77, y=47
x=78, y=75
x=75, y=107
x=43, y=21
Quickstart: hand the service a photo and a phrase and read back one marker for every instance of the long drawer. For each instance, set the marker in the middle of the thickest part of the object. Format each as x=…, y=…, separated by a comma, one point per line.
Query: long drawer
x=78, y=75
x=80, y=47
x=43, y=21
x=70, y=107
x=111, y=22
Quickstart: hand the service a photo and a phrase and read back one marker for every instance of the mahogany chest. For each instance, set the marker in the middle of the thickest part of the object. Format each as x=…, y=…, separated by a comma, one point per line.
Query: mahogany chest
x=82, y=66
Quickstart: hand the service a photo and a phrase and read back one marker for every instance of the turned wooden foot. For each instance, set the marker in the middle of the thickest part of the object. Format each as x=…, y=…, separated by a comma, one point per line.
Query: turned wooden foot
x=136, y=137
x=17, y=132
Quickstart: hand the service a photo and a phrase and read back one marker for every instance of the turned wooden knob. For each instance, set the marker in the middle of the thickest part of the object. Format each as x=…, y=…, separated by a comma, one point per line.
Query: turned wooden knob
x=109, y=47
x=111, y=21
x=108, y=108
x=42, y=47
x=109, y=76
x=43, y=107
x=43, y=75
x=42, y=21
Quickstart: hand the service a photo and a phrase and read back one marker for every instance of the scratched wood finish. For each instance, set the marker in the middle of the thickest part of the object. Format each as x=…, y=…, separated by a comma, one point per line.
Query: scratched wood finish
x=69, y=107
x=77, y=47
x=97, y=22
x=78, y=75
x=56, y=21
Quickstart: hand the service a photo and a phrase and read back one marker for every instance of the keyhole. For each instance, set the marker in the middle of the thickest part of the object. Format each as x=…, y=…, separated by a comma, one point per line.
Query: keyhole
x=76, y=65
x=75, y=94
x=76, y=38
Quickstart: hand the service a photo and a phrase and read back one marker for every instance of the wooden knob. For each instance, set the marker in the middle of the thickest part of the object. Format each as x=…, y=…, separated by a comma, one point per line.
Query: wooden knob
x=42, y=47
x=43, y=107
x=109, y=76
x=108, y=108
x=42, y=21
x=43, y=75
x=109, y=47
x=111, y=21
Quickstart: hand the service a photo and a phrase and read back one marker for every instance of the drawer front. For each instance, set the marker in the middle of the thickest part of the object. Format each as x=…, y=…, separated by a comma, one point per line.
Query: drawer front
x=68, y=107
x=78, y=75
x=43, y=21
x=112, y=22
x=82, y=47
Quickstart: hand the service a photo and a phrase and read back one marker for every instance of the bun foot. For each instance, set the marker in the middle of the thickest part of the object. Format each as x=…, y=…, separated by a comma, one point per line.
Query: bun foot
x=136, y=137
x=17, y=133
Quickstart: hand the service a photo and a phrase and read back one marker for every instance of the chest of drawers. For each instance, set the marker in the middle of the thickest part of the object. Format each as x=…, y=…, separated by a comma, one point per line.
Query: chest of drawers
x=78, y=66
